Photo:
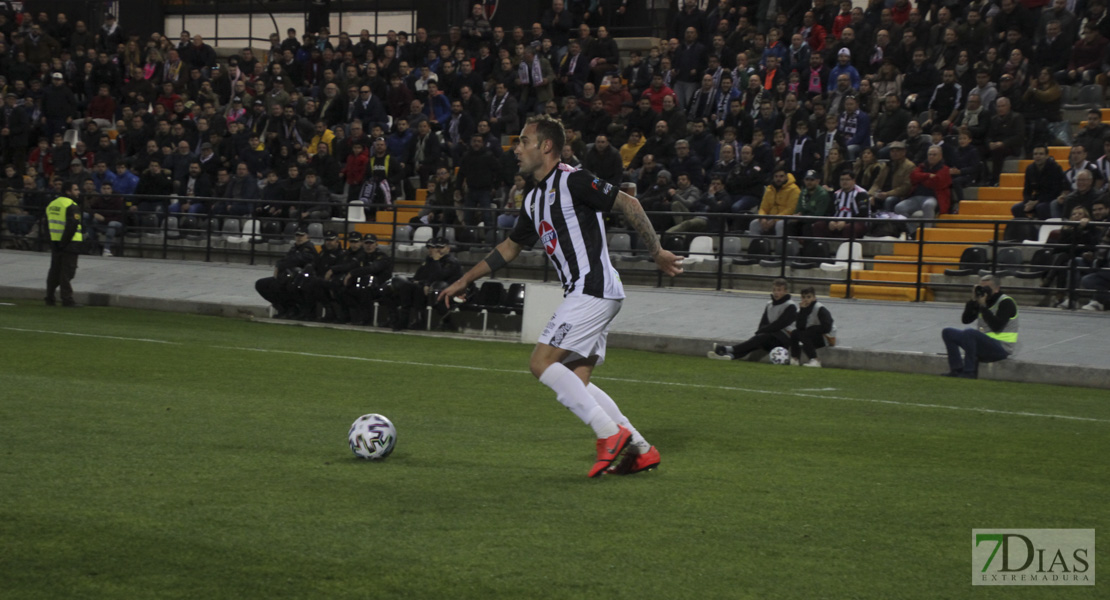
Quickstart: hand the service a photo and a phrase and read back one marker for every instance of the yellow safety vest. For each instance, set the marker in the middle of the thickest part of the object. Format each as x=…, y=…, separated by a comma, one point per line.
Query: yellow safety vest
x=1009, y=337
x=56, y=219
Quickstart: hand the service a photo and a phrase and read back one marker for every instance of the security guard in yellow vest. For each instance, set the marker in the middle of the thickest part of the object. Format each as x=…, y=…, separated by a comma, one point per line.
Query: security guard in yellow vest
x=996, y=337
x=63, y=218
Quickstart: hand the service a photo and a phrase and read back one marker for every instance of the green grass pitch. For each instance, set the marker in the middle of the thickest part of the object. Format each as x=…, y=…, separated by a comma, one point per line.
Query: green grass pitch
x=167, y=456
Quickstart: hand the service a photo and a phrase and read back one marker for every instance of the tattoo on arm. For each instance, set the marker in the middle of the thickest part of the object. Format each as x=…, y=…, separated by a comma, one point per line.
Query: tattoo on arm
x=639, y=221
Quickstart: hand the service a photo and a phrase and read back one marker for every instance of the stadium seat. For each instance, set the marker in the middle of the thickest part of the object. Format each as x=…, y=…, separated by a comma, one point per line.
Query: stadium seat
x=514, y=299
x=249, y=233
x=732, y=247
x=231, y=228
x=71, y=137
x=1044, y=231
x=490, y=298
x=971, y=260
x=1041, y=258
x=620, y=246
x=814, y=253
x=846, y=251
x=356, y=213
x=316, y=232
x=422, y=235
x=172, y=231
x=793, y=250
x=150, y=226
x=759, y=249
x=675, y=243
x=402, y=234
x=701, y=250
x=1007, y=262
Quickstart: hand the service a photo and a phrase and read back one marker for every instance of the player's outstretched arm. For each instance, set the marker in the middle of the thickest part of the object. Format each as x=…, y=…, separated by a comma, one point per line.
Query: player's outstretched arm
x=638, y=219
x=502, y=254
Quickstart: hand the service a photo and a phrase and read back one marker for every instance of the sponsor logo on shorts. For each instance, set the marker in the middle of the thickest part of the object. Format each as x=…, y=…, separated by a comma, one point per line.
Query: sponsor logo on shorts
x=561, y=333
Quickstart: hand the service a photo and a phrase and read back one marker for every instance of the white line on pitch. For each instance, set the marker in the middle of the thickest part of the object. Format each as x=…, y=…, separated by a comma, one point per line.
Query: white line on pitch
x=90, y=335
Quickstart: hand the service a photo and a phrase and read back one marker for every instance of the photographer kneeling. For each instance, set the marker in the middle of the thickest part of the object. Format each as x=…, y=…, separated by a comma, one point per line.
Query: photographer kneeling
x=994, y=340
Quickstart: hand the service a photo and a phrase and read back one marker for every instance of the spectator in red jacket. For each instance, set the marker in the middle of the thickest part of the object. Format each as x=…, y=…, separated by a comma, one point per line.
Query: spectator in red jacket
x=354, y=172
x=102, y=105
x=657, y=92
x=933, y=189
x=1086, y=57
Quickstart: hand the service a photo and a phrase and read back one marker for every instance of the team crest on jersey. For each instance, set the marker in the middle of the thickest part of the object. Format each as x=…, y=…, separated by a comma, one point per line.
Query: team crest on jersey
x=548, y=237
x=551, y=197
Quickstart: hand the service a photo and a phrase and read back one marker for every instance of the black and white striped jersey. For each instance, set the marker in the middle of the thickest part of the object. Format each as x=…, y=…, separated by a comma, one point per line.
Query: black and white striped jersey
x=565, y=211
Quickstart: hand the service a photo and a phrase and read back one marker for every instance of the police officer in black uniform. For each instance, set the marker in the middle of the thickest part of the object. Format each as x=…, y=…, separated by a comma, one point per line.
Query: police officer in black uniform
x=407, y=298
x=353, y=258
x=363, y=284
x=315, y=294
x=281, y=290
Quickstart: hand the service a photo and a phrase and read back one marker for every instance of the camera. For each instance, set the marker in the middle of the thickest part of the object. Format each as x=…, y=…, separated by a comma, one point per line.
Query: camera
x=982, y=291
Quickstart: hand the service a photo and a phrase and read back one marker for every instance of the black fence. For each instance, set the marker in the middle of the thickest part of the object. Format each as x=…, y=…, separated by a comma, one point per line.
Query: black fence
x=726, y=256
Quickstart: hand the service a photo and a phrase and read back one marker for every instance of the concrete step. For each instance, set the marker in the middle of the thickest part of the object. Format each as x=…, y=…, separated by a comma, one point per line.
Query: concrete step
x=879, y=292
x=999, y=209
x=910, y=266
x=909, y=249
x=987, y=221
x=1015, y=180
x=971, y=236
x=887, y=276
x=1011, y=194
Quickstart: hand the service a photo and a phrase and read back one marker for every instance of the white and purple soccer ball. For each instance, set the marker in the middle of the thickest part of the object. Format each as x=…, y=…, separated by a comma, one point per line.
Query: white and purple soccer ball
x=372, y=437
x=780, y=356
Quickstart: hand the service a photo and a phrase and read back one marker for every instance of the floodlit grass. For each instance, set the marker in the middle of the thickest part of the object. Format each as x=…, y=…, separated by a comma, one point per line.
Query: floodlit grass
x=216, y=466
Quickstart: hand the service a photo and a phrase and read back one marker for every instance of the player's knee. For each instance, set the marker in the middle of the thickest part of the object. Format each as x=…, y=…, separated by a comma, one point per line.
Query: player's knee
x=538, y=364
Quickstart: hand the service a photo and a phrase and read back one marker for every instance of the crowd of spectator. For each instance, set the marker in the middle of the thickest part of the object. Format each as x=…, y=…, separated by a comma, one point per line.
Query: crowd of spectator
x=745, y=111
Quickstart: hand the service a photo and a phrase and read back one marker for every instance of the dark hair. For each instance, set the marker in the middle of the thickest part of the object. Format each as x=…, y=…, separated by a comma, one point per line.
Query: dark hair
x=808, y=291
x=549, y=129
x=780, y=282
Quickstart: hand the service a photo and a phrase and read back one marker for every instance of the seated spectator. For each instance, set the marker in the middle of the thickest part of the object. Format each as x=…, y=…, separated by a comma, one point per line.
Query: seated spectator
x=966, y=168
x=994, y=338
x=850, y=201
x=814, y=325
x=834, y=164
x=1084, y=195
x=407, y=299
x=813, y=201
x=195, y=184
x=1098, y=279
x=1005, y=136
x=105, y=217
x=780, y=198
x=932, y=189
x=867, y=168
x=314, y=200
x=687, y=207
x=1044, y=183
x=280, y=290
x=893, y=182
x=774, y=329
x=1078, y=237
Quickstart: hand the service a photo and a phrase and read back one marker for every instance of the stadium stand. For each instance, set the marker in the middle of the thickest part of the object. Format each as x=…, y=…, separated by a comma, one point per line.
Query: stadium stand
x=216, y=150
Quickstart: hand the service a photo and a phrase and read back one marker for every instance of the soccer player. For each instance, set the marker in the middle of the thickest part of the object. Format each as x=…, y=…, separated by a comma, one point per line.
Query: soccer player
x=566, y=212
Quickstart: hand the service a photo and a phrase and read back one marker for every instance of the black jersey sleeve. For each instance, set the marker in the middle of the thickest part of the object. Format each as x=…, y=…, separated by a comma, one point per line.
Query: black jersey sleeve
x=592, y=191
x=525, y=231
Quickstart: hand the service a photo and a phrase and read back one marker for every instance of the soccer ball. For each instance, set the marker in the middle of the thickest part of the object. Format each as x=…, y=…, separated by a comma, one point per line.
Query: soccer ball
x=780, y=356
x=372, y=437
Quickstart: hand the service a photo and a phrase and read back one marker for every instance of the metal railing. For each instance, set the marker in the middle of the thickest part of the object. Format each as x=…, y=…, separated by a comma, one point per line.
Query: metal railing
x=222, y=229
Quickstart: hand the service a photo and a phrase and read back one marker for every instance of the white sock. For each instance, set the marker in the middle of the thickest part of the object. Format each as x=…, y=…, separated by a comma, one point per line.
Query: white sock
x=606, y=403
x=572, y=393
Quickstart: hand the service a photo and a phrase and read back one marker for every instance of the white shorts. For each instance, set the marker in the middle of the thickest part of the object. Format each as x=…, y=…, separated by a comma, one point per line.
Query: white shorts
x=581, y=325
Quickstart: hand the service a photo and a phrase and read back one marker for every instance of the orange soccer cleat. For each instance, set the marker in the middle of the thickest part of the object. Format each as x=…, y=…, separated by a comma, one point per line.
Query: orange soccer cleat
x=608, y=449
x=632, y=463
